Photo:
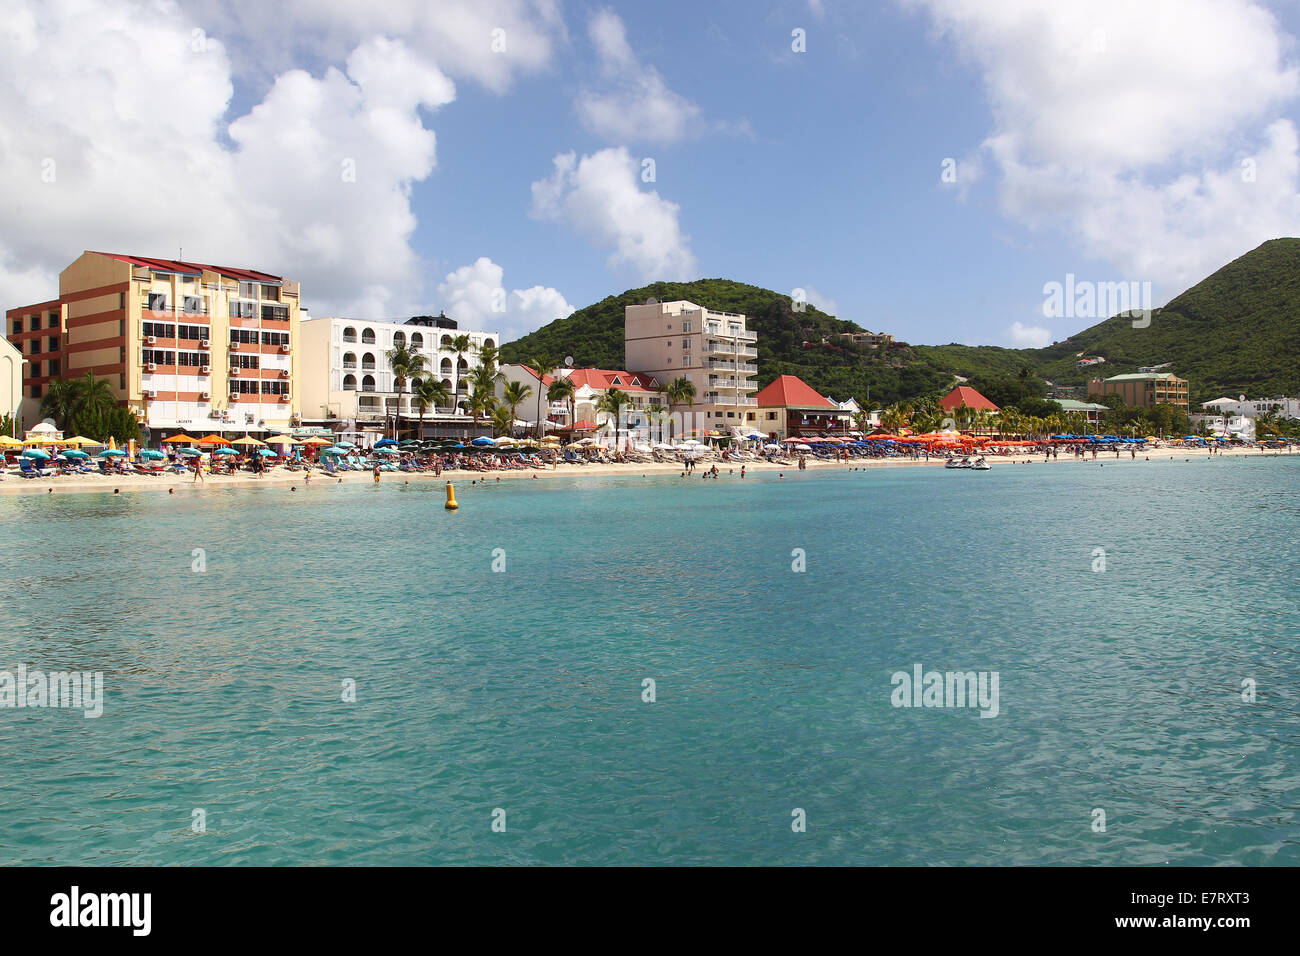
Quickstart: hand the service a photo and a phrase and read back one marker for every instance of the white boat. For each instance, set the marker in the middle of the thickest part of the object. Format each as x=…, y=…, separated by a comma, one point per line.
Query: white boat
x=957, y=463
x=981, y=465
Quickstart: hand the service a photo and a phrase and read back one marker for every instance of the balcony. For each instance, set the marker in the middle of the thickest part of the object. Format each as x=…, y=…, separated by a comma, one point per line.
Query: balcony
x=745, y=367
x=720, y=363
x=723, y=347
x=350, y=366
x=748, y=350
x=722, y=383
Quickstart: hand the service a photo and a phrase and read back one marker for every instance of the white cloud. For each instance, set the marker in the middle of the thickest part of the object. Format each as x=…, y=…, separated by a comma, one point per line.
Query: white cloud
x=461, y=33
x=1023, y=336
x=129, y=114
x=599, y=196
x=1126, y=124
x=821, y=301
x=639, y=106
x=475, y=296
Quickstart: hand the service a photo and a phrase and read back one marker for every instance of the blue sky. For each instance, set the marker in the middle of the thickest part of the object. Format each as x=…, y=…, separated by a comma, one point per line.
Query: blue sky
x=1102, y=138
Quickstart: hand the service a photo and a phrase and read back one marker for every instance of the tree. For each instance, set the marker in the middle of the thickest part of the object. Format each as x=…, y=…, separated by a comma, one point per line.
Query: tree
x=503, y=420
x=428, y=393
x=461, y=344
x=515, y=394
x=542, y=367
x=405, y=363
x=562, y=390
x=612, y=403
x=680, y=391
x=60, y=401
x=654, y=413
x=481, y=402
x=488, y=355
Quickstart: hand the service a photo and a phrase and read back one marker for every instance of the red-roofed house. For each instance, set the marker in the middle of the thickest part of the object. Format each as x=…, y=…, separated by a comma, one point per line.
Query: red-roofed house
x=641, y=388
x=789, y=408
x=963, y=396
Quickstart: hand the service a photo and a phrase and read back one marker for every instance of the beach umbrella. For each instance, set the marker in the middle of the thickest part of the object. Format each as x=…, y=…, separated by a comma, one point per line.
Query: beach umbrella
x=387, y=450
x=36, y=453
x=246, y=441
x=152, y=454
x=39, y=441
x=482, y=442
x=212, y=440
x=75, y=453
x=181, y=439
x=802, y=448
x=267, y=453
x=334, y=450
x=189, y=451
x=112, y=453
x=385, y=442
x=8, y=442
x=225, y=451
x=79, y=440
x=315, y=441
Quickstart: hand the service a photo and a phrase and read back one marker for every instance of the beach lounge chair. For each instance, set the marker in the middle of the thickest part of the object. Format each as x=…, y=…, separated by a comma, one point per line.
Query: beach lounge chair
x=26, y=468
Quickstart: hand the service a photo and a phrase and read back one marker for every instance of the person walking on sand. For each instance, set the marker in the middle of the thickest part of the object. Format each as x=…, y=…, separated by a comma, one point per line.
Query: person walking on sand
x=198, y=472
x=376, y=474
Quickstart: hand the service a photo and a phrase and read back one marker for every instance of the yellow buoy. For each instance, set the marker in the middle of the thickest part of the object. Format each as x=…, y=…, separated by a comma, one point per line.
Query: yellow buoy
x=451, y=498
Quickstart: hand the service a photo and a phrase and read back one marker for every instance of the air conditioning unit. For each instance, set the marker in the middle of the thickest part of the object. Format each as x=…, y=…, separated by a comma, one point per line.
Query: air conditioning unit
x=235, y=371
x=234, y=396
x=150, y=393
x=152, y=367
x=205, y=344
x=284, y=373
x=284, y=398
x=285, y=348
x=151, y=340
x=205, y=395
x=234, y=346
x=205, y=370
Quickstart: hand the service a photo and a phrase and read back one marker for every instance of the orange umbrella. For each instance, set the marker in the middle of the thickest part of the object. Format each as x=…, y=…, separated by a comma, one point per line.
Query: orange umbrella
x=182, y=438
x=210, y=440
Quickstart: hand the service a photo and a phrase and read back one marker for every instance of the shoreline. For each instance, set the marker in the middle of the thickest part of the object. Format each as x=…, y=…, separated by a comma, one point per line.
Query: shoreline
x=13, y=484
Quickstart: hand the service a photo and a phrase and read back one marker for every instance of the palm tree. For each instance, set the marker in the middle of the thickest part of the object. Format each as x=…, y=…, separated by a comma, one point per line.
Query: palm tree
x=516, y=393
x=482, y=403
x=461, y=344
x=612, y=403
x=542, y=367
x=405, y=363
x=562, y=390
x=654, y=414
x=503, y=421
x=428, y=393
x=94, y=396
x=60, y=400
x=489, y=355
x=680, y=391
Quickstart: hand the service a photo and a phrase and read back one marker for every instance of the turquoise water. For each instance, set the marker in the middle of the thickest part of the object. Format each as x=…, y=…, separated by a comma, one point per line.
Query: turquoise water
x=522, y=690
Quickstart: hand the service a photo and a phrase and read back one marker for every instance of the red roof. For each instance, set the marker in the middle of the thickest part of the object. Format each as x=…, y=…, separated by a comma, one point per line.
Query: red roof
x=603, y=379
x=790, y=391
x=965, y=395
x=546, y=379
x=193, y=268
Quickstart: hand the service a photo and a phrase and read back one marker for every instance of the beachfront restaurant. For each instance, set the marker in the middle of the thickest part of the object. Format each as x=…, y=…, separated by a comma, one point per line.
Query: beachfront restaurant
x=790, y=408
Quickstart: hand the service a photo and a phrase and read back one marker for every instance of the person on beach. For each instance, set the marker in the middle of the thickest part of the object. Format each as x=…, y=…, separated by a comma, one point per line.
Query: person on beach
x=376, y=474
x=742, y=471
x=198, y=472
x=306, y=477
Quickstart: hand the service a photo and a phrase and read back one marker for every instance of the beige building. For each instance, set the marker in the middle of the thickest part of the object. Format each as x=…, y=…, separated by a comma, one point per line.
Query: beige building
x=714, y=350
x=1145, y=389
x=11, y=383
x=182, y=344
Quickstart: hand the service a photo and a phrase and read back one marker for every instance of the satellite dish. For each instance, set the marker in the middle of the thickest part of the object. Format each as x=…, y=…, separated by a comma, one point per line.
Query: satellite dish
x=1241, y=398
x=652, y=301
x=568, y=360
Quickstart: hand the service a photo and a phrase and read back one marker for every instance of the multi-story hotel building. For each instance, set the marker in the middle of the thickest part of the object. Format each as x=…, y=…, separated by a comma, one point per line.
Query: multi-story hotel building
x=349, y=381
x=182, y=344
x=714, y=350
x=1145, y=389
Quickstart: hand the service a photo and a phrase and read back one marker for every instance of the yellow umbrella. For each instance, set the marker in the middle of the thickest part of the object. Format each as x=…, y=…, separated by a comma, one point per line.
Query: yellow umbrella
x=39, y=441
x=315, y=441
x=282, y=440
x=78, y=440
x=10, y=442
x=246, y=440
x=112, y=443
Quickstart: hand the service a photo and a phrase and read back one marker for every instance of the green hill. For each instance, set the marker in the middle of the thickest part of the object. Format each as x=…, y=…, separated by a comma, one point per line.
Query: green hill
x=1237, y=331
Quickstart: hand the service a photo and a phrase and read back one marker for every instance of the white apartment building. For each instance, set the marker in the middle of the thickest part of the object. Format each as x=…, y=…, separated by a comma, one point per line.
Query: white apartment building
x=1253, y=408
x=346, y=376
x=670, y=340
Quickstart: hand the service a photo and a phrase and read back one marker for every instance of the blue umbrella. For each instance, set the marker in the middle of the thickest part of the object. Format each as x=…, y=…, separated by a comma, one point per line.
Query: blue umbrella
x=482, y=442
x=267, y=453
x=112, y=453
x=152, y=454
x=223, y=451
x=384, y=443
x=75, y=453
x=36, y=453
x=334, y=450
x=187, y=450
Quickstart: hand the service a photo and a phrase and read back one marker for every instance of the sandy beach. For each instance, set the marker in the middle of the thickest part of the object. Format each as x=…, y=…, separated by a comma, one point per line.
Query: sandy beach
x=12, y=483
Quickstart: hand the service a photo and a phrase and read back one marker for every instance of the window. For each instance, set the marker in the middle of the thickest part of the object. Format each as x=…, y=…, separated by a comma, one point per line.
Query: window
x=399, y=340
x=686, y=326
x=192, y=304
x=244, y=360
x=18, y=326
x=248, y=290
x=368, y=383
x=670, y=344
x=417, y=340
x=121, y=300
x=446, y=342
x=488, y=344
x=275, y=338
x=156, y=302
x=446, y=366
x=349, y=334
x=279, y=313
x=771, y=416
x=52, y=367
x=367, y=336
x=349, y=359
x=271, y=293
x=52, y=343
x=274, y=387
x=121, y=379
x=53, y=322
x=368, y=361
x=33, y=323
x=121, y=327
x=243, y=310
x=36, y=391
x=36, y=347
x=350, y=382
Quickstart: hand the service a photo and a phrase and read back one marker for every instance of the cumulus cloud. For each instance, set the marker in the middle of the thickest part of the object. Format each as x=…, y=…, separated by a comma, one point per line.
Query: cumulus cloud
x=476, y=297
x=115, y=135
x=637, y=106
x=821, y=301
x=490, y=42
x=600, y=197
x=1130, y=124
x=1023, y=336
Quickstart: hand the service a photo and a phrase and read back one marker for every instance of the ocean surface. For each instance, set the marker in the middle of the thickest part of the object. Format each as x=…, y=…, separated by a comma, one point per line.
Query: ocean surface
x=517, y=696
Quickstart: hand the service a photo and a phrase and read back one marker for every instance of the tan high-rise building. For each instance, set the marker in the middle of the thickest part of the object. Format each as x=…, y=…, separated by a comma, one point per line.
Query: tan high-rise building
x=714, y=350
x=184, y=345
